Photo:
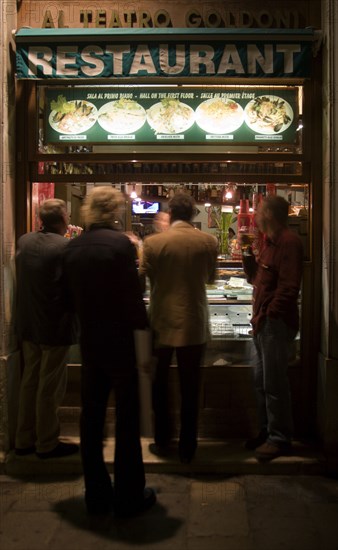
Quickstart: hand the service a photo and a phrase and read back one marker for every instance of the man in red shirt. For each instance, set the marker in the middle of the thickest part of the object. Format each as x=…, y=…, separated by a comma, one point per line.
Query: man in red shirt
x=276, y=275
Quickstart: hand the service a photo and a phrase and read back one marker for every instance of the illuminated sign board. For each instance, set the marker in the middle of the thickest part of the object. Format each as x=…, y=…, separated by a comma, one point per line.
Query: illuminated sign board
x=158, y=114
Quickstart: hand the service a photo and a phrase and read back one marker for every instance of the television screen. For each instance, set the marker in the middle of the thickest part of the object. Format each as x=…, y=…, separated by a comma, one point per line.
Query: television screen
x=145, y=207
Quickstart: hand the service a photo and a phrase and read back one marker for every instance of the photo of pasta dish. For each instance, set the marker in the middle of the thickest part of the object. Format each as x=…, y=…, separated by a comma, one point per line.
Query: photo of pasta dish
x=219, y=115
x=170, y=116
x=123, y=116
x=72, y=117
x=268, y=114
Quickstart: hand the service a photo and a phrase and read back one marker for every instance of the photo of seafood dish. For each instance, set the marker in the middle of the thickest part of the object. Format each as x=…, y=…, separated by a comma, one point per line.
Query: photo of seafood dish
x=268, y=114
x=219, y=115
x=72, y=117
x=170, y=116
x=123, y=116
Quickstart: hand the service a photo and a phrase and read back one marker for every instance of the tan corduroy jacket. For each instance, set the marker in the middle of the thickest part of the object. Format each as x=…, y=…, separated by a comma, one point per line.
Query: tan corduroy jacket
x=179, y=263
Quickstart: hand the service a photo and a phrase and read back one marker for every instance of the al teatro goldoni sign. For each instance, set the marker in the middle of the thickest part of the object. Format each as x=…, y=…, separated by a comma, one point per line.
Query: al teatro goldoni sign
x=106, y=15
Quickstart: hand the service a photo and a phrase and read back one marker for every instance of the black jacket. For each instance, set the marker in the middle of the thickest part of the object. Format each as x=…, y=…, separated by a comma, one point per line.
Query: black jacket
x=42, y=312
x=102, y=281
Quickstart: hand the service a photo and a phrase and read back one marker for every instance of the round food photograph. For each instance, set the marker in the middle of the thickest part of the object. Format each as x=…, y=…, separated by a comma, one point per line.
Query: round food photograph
x=268, y=114
x=72, y=117
x=219, y=115
x=122, y=116
x=170, y=116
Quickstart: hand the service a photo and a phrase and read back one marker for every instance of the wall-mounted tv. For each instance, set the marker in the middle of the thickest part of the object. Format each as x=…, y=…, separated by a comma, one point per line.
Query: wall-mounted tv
x=141, y=207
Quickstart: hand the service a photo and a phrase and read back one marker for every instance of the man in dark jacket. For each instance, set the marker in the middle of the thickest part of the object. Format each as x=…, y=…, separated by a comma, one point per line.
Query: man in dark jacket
x=101, y=276
x=276, y=276
x=45, y=329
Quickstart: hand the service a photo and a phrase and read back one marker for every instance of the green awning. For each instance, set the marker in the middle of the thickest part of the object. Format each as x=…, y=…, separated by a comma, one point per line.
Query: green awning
x=163, y=52
x=30, y=35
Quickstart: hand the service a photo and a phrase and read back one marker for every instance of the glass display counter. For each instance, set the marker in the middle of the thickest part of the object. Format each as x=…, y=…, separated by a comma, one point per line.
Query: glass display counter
x=230, y=309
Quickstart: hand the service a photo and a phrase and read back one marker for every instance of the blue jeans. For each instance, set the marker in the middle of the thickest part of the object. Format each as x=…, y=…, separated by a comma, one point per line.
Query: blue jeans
x=271, y=353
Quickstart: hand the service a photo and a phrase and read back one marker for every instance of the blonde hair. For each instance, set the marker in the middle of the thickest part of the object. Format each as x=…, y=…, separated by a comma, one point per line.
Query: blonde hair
x=102, y=206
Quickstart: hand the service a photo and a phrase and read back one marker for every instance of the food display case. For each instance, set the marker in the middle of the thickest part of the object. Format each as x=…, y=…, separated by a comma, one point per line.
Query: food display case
x=230, y=309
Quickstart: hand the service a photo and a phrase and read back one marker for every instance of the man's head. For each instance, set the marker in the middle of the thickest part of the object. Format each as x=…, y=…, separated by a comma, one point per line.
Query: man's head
x=102, y=206
x=53, y=216
x=272, y=214
x=181, y=207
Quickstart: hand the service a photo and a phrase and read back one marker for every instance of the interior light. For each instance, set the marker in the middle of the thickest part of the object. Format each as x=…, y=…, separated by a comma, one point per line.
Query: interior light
x=133, y=194
x=228, y=192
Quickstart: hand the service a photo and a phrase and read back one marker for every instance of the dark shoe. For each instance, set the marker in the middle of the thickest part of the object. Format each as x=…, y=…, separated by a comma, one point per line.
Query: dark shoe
x=186, y=452
x=186, y=456
x=100, y=504
x=269, y=451
x=61, y=450
x=186, y=459
x=158, y=450
x=255, y=442
x=26, y=451
x=99, y=507
x=135, y=508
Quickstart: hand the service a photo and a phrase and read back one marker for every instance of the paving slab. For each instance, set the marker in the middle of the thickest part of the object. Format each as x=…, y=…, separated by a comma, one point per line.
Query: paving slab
x=218, y=513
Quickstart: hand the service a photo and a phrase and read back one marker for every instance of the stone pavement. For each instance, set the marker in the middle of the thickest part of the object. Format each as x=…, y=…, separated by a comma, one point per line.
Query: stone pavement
x=193, y=512
x=224, y=500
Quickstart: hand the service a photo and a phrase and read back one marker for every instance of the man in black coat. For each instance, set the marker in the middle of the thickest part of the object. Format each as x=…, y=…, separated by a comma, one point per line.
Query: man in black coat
x=45, y=329
x=101, y=276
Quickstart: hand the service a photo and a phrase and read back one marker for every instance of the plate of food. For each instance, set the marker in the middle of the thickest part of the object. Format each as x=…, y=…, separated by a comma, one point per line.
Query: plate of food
x=123, y=116
x=72, y=117
x=268, y=114
x=170, y=116
x=219, y=115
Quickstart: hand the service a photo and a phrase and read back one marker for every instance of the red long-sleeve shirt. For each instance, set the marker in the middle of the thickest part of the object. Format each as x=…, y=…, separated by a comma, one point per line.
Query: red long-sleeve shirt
x=276, y=277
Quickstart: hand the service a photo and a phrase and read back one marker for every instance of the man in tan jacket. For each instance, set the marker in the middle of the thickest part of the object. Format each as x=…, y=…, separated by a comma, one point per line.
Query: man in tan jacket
x=179, y=263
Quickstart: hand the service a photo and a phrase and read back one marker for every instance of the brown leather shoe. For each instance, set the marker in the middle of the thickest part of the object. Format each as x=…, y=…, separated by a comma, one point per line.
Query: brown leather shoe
x=252, y=444
x=269, y=451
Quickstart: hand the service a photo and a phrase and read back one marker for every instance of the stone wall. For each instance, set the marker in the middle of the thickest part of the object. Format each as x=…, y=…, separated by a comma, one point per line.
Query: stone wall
x=8, y=355
x=327, y=405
